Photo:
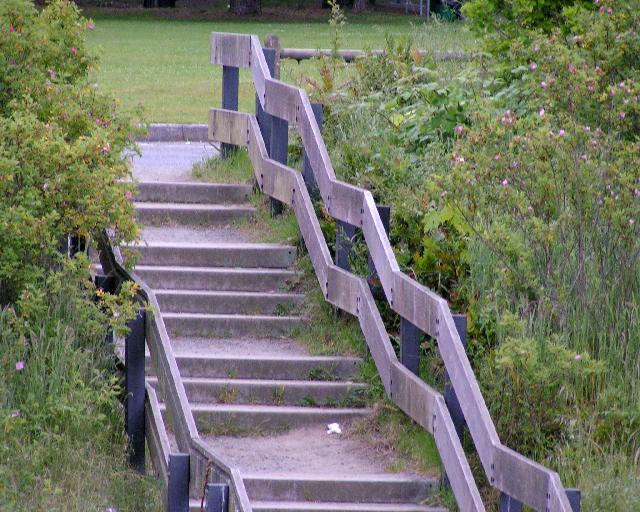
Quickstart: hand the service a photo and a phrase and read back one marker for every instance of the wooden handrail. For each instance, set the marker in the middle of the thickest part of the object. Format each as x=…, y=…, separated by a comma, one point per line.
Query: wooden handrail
x=351, y=55
x=506, y=470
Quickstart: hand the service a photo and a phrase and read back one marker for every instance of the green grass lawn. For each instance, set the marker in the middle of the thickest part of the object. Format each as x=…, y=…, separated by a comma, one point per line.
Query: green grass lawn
x=163, y=62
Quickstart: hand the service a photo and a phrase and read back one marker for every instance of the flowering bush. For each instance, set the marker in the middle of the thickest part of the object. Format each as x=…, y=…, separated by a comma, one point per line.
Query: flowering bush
x=62, y=168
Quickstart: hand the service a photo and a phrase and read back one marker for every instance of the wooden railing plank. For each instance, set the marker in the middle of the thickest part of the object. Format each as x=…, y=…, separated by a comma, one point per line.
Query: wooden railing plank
x=376, y=335
x=228, y=126
x=231, y=49
x=466, y=387
x=259, y=69
x=379, y=247
x=156, y=434
x=343, y=289
x=412, y=395
x=454, y=459
x=281, y=100
x=346, y=203
x=416, y=303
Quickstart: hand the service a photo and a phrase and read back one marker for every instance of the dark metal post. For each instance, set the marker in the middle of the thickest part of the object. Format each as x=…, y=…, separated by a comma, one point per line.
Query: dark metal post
x=450, y=397
x=230, y=87
x=344, y=243
x=575, y=497
x=508, y=504
x=135, y=388
x=178, y=486
x=275, y=131
x=307, y=171
x=217, y=498
x=410, y=346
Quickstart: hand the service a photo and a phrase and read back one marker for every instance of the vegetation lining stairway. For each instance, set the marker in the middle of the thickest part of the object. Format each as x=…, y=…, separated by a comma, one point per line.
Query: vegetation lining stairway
x=259, y=399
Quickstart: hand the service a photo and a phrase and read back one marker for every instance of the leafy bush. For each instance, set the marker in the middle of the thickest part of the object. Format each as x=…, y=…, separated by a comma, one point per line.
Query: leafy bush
x=62, y=168
x=59, y=400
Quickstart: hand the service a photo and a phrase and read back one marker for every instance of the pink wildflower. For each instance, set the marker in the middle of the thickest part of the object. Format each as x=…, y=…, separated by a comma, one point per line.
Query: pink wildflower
x=74, y=49
x=587, y=129
x=128, y=195
x=578, y=357
x=106, y=148
x=459, y=129
x=583, y=158
x=52, y=73
x=507, y=119
x=533, y=66
x=590, y=88
x=541, y=112
x=496, y=157
x=458, y=159
x=12, y=62
x=609, y=10
x=505, y=182
x=561, y=133
x=544, y=84
x=91, y=26
x=19, y=366
x=598, y=69
x=11, y=28
x=636, y=192
x=572, y=69
x=631, y=222
x=621, y=85
x=16, y=413
x=621, y=115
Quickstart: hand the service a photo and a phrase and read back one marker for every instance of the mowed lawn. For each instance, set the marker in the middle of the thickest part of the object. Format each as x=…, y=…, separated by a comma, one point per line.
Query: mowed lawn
x=163, y=64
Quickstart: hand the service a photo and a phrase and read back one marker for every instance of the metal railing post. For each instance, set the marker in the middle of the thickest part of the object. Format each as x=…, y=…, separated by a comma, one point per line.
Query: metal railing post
x=509, y=504
x=307, y=171
x=344, y=244
x=575, y=497
x=230, y=89
x=275, y=131
x=410, y=346
x=178, y=484
x=134, y=360
x=217, y=498
x=450, y=397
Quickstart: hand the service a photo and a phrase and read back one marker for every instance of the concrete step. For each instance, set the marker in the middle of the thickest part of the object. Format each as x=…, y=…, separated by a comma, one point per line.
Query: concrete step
x=191, y=214
x=224, y=302
x=212, y=325
x=381, y=488
x=194, y=193
x=235, y=255
x=315, y=368
x=273, y=392
x=217, y=278
x=315, y=506
x=256, y=419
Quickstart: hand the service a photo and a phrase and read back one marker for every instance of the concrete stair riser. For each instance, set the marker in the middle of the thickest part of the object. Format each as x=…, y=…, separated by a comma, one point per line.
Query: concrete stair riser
x=222, y=279
x=294, y=368
x=231, y=303
x=216, y=255
x=270, y=392
x=192, y=193
x=258, y=419
x=205, y=325
x=154, y=214
x=366, y=488
x=295, y=506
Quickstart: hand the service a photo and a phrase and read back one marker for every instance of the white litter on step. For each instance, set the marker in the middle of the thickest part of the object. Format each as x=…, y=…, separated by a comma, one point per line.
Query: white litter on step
x=334, y=428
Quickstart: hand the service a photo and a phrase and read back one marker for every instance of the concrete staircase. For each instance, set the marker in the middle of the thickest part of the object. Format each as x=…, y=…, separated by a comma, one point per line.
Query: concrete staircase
x=258, y=397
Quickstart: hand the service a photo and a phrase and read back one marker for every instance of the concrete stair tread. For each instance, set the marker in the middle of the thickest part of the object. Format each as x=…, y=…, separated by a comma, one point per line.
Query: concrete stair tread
x=308, y=451
x=192, y=192
x=147, y=205
x=266, y=382
x=341, y=487
x=237, y=270
x=279, y=409
x=297, y=506
x=244, y=346
x=214, y=245
x=224, y=325
x=191, y=234
x=226, y=293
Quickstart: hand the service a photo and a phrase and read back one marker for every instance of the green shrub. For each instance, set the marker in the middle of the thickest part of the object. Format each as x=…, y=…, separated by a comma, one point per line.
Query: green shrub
x=62, y=168
x=59, y=400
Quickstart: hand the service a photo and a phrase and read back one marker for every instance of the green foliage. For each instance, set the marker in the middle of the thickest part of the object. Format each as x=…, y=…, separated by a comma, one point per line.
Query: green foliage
x=505, y=21
x=62, y=168
x=59, y=401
